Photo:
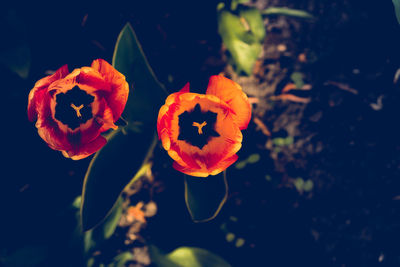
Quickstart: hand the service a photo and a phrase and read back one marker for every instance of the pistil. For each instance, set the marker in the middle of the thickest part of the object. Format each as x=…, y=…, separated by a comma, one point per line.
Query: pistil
x=199, y=126
x=77, y=109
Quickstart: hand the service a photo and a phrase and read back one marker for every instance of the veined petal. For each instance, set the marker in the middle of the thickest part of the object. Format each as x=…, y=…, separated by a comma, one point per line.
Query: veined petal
x=119, y=87
x=231, y=93
x=41, y=86
x=86, y=149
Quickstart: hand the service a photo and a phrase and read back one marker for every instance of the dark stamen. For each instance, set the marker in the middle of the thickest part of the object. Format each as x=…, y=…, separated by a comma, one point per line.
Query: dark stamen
x=73, y=107
x=197, y=127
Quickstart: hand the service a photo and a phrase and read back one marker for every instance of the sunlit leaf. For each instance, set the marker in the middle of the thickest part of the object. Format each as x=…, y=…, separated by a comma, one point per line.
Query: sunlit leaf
x=284, y=11
x=111, y=169
x=146, y=93
x=128, y=148
x=255, y=21
x=241, y=37
x=205, y=196
x=187, y=256
x=396, y=4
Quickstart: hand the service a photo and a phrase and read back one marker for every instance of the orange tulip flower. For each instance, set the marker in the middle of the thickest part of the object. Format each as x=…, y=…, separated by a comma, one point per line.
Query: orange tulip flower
x=201, y=132
x=72, y=109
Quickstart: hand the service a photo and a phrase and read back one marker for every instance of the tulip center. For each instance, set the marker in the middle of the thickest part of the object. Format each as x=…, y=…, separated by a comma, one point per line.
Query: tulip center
x=196, y=133
x=73, y=107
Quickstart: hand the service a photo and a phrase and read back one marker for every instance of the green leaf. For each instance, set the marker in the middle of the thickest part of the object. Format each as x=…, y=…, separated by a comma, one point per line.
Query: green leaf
x=299, y=183
x=28, y=256
x=205, y=196
x=242, y=42
x=239, y=242
x=104, y=231
x=308, y=185
x=241, y=164
x=146, y=94
x=187, y=256
x=128, y=148
x=396, y=4
x=121, y=259
x=255, y=21
x=230, y=237
x=253, y=158
x=298, y=79
x=111, y=169
x=284, y=11
x=15, y=53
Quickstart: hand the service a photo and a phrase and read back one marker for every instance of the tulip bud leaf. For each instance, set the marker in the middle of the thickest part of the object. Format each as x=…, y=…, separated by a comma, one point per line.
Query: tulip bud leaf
x=111, y=169
x=146, y=94
x=128, y=148
x=205, y=196
x=186, y=256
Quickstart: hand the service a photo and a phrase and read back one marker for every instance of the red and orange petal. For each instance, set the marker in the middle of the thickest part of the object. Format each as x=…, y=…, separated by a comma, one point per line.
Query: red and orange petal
x=110, y=90
x=118, y=95
x=36, y=94
x=85, y=150
x=215, y=156
x=231, y=93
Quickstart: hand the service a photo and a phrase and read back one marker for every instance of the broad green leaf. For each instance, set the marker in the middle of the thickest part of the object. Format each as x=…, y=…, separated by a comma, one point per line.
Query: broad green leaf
x=187, y=256
x=128, y=148
x=205, y=196
x=284, y=11
x=15, y=53
x=396, y=4
x=239, y=39
x=255, y=22
x=111, y=169
x=104, y=231
x=146, y=93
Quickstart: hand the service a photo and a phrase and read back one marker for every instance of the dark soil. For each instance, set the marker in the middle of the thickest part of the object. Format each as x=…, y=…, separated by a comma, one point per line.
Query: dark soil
x=345, y=140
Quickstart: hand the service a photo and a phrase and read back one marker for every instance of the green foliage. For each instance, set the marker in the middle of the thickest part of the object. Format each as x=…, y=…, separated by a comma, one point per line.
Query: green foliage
x=396, y=4
x=205, y=196
x=280, y=141
x=253, y=158
x=187, y=256
x=242, y=33
x=111, y=169
x=15, y=53
x=239, y=242
x=302, y=185
x=284, y=11
x=146, y=93
x=129, y=147
x=297, y=78
x=28, y=256
x=97, y=236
